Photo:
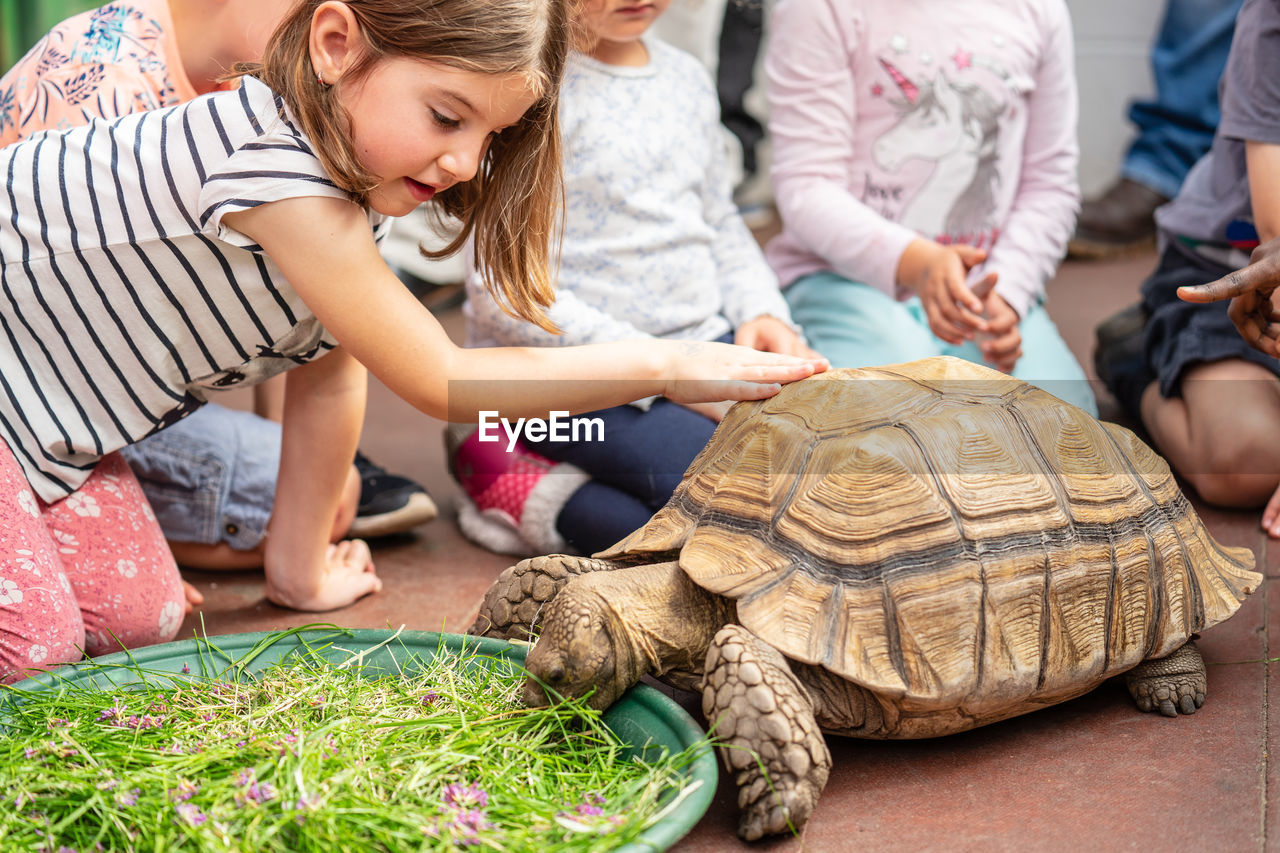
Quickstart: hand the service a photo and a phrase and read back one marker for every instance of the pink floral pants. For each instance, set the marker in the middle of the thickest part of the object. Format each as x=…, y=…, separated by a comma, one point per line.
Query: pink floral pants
x=83, y=575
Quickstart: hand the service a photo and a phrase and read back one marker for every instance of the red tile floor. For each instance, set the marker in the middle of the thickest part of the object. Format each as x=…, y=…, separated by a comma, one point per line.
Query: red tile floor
x=1092, y=774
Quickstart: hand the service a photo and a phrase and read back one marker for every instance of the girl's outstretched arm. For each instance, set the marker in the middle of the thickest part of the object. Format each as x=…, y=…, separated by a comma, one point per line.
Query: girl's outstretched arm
x=323, y=414
x=325, y=249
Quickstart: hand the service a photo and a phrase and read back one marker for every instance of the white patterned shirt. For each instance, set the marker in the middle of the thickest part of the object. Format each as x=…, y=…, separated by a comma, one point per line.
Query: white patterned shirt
x=653, y=244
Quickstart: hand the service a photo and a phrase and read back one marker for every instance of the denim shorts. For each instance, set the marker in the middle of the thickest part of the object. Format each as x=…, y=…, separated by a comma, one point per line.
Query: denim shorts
x=211, y=477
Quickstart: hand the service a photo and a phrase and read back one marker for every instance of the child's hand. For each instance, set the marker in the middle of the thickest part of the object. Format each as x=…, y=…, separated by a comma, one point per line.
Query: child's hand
x=193, y=596
x=1001, y=344
x=769, y=334
x=714, y=411
x=703, y=372
x=1250, y=291
x=937, y=273
x=347, y=576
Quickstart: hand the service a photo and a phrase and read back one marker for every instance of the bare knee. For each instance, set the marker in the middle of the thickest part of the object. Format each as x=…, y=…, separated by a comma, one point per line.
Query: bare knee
x=1234, y=491
x=1232, y=460
x=1241, y=471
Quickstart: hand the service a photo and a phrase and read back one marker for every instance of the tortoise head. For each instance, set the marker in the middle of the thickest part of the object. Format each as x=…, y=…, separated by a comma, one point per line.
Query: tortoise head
x=582, y=648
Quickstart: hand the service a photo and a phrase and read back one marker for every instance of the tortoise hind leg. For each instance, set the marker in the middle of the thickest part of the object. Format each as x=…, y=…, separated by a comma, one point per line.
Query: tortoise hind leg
x=764, y=719
x=1172, y=685
x=513, y=603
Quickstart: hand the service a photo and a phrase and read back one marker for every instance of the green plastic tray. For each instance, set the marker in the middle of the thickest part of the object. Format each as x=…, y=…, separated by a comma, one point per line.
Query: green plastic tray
x=643, y=717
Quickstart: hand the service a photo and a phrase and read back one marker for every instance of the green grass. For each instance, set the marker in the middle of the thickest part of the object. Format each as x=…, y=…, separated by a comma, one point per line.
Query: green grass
x=310, y=754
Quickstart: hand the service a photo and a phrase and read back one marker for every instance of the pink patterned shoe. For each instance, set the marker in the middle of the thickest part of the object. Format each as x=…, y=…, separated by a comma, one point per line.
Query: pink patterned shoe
x=512, y=499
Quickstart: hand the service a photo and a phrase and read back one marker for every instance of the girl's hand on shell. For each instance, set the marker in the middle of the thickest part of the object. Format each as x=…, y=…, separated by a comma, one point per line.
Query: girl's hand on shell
x=711, y=411
x=703, y=372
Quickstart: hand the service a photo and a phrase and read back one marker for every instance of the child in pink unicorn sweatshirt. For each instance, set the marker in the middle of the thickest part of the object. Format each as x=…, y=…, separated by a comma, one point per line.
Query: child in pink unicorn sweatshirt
x=924, y=165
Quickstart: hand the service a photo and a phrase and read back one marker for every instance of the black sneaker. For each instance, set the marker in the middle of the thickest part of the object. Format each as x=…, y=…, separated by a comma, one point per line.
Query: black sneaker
x=1120, y=358
x=1120, y=222
x=388, y=503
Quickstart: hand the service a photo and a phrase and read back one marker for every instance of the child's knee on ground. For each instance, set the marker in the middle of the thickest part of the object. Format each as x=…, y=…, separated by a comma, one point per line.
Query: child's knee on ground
x=1221, y=434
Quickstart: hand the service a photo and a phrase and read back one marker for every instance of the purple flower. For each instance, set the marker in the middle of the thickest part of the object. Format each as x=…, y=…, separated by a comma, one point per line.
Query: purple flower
x=459, y=796
x=191, y=814
x=186, y=790
x=109, y=713
x=30, y=752
x=464, y=827
x=430, y=697
x=185, y=669
x=305, y=804
x=128, y=798
x=254, y=792
x=467, y=826
x=590, y=805
x=260, y=792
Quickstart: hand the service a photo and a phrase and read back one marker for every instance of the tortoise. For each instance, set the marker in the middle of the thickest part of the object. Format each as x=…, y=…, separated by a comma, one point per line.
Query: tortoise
x=894, y=552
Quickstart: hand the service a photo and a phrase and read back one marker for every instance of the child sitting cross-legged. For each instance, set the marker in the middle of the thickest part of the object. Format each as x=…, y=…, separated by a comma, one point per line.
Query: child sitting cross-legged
x=924, y=167
x=653, y=248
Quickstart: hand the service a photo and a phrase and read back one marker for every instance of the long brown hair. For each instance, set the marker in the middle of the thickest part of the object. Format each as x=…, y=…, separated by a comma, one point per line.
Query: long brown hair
x=513, y=207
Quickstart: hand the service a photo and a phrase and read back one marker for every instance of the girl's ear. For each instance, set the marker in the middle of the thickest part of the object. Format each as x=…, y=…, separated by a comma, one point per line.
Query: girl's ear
x=335, y=40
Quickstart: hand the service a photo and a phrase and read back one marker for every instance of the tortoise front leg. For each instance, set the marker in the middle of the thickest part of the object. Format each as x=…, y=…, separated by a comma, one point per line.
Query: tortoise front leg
x=513, y=603
x=1170, y=684
x=764, y=720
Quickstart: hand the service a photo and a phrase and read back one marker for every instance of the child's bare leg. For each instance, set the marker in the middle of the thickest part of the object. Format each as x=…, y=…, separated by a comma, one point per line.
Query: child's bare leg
x=1221, y=435
x=268, y=399
x=221, y=556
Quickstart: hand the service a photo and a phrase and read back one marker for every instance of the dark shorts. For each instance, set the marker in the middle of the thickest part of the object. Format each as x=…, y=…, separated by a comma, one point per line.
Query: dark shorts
x=1181, y=335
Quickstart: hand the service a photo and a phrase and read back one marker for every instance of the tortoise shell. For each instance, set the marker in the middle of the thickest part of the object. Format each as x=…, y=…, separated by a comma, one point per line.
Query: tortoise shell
x=945, y=536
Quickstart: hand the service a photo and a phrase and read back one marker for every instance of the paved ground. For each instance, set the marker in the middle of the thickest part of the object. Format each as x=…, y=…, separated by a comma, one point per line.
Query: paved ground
x=1090, y=774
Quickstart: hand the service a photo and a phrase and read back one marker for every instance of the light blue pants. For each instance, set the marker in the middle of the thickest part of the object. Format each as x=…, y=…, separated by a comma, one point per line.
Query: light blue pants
x=855, y=325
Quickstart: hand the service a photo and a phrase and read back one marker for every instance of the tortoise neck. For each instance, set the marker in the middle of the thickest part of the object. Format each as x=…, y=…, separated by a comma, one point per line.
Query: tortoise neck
x=667, y=619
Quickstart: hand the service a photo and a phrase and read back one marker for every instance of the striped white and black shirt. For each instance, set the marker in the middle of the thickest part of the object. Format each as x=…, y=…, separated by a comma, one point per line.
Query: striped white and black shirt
x=125, y=300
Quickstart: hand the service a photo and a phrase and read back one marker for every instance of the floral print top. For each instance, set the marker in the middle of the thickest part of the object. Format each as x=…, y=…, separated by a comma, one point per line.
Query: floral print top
x=110, y=61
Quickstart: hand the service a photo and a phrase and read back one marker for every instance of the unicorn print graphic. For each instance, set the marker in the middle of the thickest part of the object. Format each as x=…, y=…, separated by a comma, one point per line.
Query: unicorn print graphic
x=952, y=124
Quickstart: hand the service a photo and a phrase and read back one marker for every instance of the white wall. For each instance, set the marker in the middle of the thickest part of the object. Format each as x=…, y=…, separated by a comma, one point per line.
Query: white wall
x=1113, y=39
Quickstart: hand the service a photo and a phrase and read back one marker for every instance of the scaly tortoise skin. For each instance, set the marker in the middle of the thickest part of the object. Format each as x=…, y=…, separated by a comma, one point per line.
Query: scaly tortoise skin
x=894, y=552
